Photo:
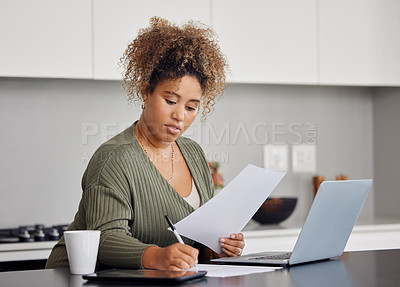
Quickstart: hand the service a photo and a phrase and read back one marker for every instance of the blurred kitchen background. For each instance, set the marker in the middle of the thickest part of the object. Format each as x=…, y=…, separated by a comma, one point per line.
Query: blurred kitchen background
x=324, y=74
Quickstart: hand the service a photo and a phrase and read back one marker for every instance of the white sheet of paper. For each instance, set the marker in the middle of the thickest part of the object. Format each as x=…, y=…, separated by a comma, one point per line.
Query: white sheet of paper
x=232, y=208
x=232, y=270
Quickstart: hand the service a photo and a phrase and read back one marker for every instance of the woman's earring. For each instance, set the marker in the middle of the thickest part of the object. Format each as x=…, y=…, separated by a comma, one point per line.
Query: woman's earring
x=142, y=106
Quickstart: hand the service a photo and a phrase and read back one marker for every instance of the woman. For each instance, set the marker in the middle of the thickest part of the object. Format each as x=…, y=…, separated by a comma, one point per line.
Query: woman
x=149, y=170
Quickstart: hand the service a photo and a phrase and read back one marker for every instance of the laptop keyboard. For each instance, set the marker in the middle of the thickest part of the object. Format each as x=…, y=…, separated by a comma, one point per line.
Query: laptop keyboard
x=277, y=256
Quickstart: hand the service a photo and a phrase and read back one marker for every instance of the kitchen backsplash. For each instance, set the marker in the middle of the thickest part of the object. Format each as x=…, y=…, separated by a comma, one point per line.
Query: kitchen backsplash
x=50, y=128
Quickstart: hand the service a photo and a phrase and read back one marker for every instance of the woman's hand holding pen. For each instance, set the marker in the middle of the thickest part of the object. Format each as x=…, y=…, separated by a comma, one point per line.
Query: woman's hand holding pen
x=178, y=256
x=231, y=246
x=174, y=257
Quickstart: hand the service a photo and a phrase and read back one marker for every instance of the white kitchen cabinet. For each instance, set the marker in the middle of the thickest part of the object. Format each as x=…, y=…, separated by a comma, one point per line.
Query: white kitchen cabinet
x=26, y=251
x=116, y=24
x=363, y=237
x=272, y=41
x=359, y=42
x=45, y=38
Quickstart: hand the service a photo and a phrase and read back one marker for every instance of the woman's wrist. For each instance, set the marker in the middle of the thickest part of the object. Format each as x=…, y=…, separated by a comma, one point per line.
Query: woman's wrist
x=149, y=257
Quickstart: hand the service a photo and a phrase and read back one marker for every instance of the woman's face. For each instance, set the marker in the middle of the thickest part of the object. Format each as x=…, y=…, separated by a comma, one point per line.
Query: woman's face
x=171, y=108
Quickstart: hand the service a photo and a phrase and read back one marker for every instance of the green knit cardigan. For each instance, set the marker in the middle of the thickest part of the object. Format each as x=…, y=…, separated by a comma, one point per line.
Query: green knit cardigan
x=126, y=197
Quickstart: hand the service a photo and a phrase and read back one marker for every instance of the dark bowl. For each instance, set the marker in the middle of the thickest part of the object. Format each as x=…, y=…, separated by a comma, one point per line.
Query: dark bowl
x=275, y=210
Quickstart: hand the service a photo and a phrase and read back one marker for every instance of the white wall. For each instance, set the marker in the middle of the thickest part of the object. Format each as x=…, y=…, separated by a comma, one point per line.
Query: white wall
x=344, y=133
x=386, y=151
x=44, y=152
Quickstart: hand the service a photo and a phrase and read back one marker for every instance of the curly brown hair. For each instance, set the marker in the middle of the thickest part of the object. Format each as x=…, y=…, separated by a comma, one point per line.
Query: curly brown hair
x=165, y=51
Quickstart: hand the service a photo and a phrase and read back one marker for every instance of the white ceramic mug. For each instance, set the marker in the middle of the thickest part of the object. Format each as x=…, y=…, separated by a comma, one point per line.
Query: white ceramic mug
x=82, y=249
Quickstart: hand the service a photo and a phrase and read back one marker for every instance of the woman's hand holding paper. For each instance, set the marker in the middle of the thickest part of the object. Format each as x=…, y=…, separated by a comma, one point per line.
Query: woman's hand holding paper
x=231, y=246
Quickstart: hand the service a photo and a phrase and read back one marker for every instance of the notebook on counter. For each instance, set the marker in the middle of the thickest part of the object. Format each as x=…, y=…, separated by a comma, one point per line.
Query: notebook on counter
x=326, y=230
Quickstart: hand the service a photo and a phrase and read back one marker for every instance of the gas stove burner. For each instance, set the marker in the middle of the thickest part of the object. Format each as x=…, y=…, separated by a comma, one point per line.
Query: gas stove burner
x=32, y=233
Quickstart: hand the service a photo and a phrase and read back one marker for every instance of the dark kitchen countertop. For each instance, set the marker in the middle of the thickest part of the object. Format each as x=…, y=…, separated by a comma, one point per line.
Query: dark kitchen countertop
x=365, y=268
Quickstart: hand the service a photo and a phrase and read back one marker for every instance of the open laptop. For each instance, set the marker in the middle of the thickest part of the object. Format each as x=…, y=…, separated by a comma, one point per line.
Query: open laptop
x=326, y=230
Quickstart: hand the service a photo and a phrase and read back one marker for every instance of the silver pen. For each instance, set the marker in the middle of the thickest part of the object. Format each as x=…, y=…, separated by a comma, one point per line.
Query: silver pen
x=174, y=229
x=178, y=237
